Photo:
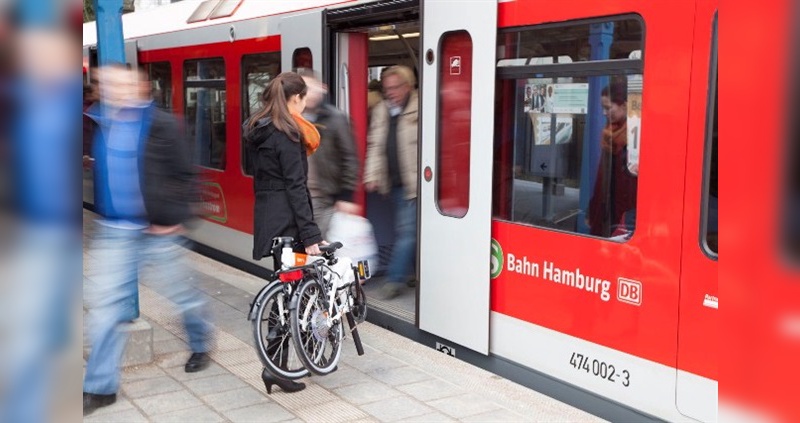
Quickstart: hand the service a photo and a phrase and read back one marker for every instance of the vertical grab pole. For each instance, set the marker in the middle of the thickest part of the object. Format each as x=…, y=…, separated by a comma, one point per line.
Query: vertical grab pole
x=111, y=50
x=600, y=38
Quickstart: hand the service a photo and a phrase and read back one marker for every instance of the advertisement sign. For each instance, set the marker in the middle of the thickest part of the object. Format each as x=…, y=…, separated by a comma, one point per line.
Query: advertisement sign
x=568, y=98
x=214, y=207
x=542, y=128
x=634, y=122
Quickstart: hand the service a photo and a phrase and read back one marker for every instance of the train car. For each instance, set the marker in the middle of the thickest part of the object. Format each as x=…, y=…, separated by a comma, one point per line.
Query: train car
x=596, y=204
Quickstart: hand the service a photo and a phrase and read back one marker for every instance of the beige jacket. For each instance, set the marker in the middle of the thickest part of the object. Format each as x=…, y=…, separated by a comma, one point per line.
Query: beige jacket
x=376, y=168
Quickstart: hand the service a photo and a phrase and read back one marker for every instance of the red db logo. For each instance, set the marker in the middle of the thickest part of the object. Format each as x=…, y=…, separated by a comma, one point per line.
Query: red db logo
x=629, y=291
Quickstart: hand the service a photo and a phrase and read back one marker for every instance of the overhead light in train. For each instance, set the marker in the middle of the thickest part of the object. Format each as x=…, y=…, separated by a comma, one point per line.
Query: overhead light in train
x=393, y=37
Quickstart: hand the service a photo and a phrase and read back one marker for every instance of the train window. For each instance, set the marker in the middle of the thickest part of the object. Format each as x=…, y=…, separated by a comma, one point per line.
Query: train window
x=711, y=200
x=257, y=71
x=568, y=110
x=205, y=101
x=592, y=40
x=160, y=75
x=302, y=58
x=453, y=141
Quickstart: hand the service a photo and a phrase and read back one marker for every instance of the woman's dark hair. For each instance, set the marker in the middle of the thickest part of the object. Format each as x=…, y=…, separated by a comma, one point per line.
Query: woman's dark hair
x=276, y=107
x=617, y=92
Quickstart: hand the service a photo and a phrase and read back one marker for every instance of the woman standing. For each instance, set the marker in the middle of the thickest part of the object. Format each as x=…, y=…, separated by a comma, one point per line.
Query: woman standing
x=612, y=209
x=279, y=141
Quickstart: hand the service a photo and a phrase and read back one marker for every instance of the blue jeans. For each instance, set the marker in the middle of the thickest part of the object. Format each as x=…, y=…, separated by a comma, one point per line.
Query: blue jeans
x=112, y=282
x=404, y=253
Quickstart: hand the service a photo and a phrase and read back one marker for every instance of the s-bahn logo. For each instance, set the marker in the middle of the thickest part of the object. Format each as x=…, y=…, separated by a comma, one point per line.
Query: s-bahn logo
x=496, y=263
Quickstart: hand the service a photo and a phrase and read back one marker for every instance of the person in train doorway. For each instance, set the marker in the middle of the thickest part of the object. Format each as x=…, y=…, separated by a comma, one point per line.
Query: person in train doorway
x=333, y=168
x=612, y=208
x=391, y=169
x=280, y=140
x=146, y=194
x=374, y=97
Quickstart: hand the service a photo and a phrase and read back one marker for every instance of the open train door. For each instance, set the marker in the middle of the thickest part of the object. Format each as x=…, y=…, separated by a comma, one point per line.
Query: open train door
x=458, y=79
x=301, y=41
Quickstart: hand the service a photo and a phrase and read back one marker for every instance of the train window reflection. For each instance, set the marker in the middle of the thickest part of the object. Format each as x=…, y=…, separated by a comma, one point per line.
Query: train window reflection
x=258, y=70
x=205, y=109
x=160, y=75
x=454, y=138
x=302, y=58
x=614, y=38
x=568, y=135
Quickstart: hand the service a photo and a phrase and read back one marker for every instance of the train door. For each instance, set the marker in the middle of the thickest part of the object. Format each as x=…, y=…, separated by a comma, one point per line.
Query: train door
x=301, y=41
x=455, y=190
x=364, y=40
x=698, y=324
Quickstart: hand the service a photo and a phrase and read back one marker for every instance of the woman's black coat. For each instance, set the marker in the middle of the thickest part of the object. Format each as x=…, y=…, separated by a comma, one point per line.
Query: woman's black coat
x=280, y=176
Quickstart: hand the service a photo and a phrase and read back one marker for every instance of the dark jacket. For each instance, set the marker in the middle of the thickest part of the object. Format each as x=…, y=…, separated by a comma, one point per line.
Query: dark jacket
x=614, y=195
x=335, y=160
x=167, y=178
x=283, y=204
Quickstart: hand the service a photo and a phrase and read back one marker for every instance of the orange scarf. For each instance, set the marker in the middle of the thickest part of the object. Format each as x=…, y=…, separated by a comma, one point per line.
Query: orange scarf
x=309, y=133
x=615, y=137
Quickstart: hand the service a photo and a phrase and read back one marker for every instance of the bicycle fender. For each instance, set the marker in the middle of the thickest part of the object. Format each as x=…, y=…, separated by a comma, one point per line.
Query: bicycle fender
x=258, y=298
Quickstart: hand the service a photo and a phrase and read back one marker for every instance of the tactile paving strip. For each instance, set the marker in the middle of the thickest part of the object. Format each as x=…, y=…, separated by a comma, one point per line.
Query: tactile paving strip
x=315, y=403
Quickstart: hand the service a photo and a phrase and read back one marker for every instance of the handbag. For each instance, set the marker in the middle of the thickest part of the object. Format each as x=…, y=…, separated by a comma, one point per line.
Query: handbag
x=356, y=235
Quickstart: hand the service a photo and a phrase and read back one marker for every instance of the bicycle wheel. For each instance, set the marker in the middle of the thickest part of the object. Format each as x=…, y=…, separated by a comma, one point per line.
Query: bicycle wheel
x=272, y=334
x=317, y=339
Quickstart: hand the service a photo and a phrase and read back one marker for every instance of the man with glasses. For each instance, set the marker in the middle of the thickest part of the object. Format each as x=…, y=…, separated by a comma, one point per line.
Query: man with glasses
x=391, y=169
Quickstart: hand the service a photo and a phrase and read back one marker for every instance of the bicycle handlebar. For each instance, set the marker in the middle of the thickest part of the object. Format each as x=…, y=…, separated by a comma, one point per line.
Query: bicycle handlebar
x=330, y=248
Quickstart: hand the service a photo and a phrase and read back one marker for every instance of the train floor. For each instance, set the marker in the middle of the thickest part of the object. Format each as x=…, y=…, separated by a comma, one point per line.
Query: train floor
x=395, y=380
x=402, y=306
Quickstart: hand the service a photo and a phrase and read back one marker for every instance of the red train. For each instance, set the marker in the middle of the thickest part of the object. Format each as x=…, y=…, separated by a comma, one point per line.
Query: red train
x=603, y=281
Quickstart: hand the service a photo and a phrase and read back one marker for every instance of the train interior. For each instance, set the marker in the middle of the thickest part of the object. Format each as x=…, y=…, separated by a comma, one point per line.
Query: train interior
x=389, y=43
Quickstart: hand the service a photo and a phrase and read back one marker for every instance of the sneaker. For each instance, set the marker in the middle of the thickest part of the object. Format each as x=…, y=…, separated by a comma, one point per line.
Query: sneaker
x=390, y=290
x=92, y=402
x=197, y=362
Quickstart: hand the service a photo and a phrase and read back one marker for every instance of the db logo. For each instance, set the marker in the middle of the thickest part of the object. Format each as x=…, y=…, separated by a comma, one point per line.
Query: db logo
x=629, y=291
x=496, y=259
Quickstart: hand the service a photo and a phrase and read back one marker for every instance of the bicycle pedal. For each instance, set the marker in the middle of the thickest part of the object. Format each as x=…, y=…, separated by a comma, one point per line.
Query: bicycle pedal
x=362, y=269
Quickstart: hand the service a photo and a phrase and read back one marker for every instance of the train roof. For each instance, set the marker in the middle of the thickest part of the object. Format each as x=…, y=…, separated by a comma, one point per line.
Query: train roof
x=173, y=17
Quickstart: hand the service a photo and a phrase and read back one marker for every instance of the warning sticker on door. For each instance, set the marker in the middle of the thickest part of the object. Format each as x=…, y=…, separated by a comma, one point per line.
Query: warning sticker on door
x=455, y=65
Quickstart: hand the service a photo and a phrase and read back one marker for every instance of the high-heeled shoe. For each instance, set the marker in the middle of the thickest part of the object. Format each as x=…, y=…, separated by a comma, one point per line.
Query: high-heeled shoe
x=285, y=384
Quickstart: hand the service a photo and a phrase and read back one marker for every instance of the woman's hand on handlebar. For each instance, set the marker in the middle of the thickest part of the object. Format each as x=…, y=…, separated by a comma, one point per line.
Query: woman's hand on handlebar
x=313, y=250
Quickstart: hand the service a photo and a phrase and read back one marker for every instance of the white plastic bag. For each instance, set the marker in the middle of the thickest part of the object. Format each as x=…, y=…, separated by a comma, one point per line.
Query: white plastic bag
x=355, y=233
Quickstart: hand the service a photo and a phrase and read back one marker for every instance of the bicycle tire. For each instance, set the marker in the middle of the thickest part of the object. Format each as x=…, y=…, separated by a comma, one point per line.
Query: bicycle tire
x=281, y=361
x=318, y=344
